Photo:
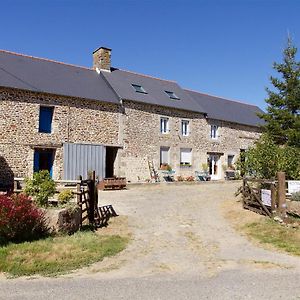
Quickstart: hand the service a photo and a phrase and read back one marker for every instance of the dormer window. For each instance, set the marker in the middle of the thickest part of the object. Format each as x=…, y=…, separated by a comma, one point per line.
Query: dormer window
x=139, y=88
x=172, y=95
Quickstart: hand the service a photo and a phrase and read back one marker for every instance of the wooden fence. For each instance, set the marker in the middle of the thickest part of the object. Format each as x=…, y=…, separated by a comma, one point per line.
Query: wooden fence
x=252, y=195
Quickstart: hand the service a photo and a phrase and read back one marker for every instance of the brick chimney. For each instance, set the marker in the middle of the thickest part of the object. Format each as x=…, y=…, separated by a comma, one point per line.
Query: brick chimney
x=101, y=59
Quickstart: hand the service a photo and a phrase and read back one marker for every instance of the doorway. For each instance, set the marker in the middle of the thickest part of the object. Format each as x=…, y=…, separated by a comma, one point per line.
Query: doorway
x=43, y=160
x=214, y=166
x=111, y=153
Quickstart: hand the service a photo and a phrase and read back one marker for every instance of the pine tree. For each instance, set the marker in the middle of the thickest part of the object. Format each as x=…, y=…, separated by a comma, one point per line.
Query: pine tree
x=283, y=112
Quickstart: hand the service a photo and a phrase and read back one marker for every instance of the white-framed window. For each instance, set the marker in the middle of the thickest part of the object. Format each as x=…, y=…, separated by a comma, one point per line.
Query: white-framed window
x=164, y=125
x=185, y=127
x=214, y=131
x=230, y=161
x=164, y=155
x=185, y=156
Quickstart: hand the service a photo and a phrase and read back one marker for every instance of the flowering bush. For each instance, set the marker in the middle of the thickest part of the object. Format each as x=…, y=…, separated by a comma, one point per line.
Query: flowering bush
x=190, y=178
x=180, y=178
x=20, y=219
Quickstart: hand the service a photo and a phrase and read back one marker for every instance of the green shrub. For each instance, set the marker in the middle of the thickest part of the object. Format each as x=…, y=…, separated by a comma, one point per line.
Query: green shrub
x=266, y=158
x=20, y=219
x=295, y=196
x=40, y=187
x=65, y=197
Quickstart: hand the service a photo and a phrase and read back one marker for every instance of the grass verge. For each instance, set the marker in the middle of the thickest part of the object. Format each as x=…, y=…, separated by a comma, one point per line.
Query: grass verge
x=269, y=232
x=58, y=255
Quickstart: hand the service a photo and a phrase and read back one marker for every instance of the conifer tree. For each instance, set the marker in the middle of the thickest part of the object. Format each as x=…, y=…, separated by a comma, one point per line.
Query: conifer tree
x=283, y=111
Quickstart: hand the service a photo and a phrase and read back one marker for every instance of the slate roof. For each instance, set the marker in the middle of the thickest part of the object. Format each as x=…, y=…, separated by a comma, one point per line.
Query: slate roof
x=41, y=75
x=121, y=81
x=228, y=110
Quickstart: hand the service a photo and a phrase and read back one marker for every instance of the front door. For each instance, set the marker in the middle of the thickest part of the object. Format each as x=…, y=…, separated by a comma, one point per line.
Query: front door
x=43, y=160
x=214, y=166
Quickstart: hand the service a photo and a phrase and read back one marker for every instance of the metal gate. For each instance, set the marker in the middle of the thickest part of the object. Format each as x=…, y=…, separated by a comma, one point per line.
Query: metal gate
x=78, y=159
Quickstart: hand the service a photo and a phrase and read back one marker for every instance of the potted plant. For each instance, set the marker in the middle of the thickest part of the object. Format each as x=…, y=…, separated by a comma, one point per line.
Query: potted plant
x=165, y=167
x=204, y=167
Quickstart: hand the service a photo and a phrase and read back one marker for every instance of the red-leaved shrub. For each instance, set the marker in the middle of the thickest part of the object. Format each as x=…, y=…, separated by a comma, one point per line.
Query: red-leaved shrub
x=20, y=219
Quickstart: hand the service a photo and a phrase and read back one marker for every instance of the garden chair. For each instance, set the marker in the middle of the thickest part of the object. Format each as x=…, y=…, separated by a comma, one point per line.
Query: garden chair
x=202, y=176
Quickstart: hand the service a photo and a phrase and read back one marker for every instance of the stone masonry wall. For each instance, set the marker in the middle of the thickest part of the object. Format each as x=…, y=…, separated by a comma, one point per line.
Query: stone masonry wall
x=74, y=120
x=142, y=140
x=136, y=126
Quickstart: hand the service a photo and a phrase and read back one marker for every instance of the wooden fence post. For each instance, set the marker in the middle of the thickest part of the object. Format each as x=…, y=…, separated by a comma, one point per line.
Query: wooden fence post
x=243, y=191
x=281, y=194
x=79, y=199
x=273, y=198
x=92, y=198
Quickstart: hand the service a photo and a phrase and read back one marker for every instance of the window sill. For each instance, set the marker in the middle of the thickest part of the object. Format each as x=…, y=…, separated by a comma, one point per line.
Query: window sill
x=215, y=140
x=185, y=166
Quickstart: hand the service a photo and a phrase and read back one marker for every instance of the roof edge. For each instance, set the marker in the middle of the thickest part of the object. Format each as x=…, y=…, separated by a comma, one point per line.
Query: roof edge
x=144, y=75
x=219, y=97
x=60, y=95
x=45, y=59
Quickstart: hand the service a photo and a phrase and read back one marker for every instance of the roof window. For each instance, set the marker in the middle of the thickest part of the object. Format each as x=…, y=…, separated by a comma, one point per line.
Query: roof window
x=139, y=88
x=172, y=95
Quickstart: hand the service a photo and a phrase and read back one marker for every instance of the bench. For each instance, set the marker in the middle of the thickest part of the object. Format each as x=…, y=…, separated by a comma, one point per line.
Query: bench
x=202, y=176
x=113, y=183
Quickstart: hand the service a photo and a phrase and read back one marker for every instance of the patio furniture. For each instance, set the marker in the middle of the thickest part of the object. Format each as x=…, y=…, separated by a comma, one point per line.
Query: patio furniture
x=114, y=183
x=168, y=175
x=202, y=176
x=229, y=174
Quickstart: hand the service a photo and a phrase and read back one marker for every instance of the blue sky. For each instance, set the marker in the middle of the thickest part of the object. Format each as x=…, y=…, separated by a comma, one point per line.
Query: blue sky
x=221, y=47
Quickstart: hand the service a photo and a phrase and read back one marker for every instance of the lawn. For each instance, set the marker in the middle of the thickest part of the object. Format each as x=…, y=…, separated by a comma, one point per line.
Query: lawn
x=269, y=232
x=58, y=255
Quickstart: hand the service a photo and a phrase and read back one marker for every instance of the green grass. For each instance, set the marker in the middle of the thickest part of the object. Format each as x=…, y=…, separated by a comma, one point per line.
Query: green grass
x=269, y=232
x=58, y=255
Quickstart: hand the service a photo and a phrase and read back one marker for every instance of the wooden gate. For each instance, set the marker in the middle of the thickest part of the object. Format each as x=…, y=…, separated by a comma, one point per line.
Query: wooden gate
x=252, y=195
x=87, y=200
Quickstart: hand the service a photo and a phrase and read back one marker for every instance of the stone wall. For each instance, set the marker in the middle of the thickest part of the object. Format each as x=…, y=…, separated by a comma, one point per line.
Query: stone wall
x=142, y=140
x=136, y=126
x=75, y=120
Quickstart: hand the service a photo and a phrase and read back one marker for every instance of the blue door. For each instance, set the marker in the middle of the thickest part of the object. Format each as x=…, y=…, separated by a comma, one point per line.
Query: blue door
x=43, y=160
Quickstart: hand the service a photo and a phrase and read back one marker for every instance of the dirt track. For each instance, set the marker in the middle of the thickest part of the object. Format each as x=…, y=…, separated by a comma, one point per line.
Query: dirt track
x=185, y=229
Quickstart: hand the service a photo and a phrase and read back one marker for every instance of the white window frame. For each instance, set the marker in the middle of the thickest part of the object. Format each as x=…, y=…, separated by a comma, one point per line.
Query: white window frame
x=186, y=162
x=228, y=164
x=167, y=150
x=185, y=129
x=214, y=131
x=164, y=125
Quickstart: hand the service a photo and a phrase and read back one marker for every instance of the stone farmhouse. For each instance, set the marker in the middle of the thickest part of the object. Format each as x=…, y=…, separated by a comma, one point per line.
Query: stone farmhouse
x=69, y=119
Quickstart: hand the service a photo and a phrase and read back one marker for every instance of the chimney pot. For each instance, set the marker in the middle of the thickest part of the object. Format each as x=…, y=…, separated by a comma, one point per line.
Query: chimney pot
x=102, y=59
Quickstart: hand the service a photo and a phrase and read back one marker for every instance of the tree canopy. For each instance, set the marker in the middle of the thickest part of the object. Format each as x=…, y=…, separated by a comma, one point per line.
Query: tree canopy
x=282, y=119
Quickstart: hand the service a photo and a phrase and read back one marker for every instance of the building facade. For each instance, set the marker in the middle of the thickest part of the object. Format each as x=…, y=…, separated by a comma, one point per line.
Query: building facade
x=70, y=120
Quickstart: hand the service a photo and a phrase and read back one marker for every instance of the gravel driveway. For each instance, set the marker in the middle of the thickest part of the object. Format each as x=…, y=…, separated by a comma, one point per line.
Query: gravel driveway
x=182, y=248
x=180, y=229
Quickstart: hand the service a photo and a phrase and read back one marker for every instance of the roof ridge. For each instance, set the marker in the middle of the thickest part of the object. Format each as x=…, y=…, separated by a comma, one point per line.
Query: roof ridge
x=231, y=100
x=149, y=76
x=44, y=59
